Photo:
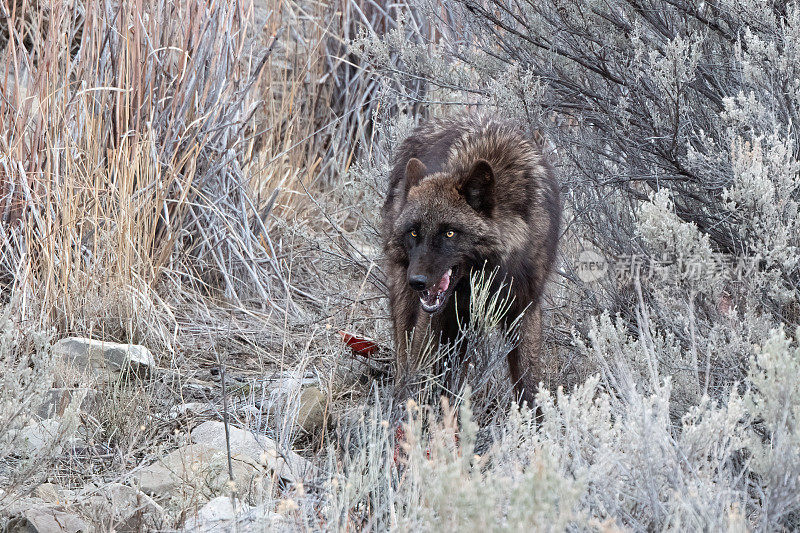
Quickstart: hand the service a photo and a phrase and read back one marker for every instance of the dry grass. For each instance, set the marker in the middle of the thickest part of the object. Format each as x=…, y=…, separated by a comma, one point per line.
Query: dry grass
x=121, y=154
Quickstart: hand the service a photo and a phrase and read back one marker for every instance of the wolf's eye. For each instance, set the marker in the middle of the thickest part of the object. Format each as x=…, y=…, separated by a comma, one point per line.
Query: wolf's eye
x=450, y=233
x=414, y=233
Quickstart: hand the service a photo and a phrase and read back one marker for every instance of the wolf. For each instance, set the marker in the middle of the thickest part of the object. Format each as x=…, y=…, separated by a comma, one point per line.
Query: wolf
x=466, y=193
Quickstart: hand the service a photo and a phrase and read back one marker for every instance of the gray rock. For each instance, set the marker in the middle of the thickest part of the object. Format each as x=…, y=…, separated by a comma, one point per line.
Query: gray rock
x=46, y=519
x=311, y=409
x=297, y=398
x=217, y=513
x=129, y=508
x=57, y=401
x=94, y=357
x=199, y=468
x=222, y=515
x=287, y=464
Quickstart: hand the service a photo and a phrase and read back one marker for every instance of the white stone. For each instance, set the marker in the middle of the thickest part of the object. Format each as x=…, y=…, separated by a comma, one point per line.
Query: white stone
x=37, y=436
x=198, y=467
x=285, y=463
x=46, y=519
x=92, y=356
x=219, y=509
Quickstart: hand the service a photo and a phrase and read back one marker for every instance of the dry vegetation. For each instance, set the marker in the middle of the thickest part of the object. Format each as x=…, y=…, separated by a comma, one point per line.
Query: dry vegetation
x=203, y=178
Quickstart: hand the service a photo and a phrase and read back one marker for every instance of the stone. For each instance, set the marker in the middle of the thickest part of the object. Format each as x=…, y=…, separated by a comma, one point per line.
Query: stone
x=311, y=409
x=56, y=433
x=58, y=399
x=94, y=357
x=199, y=466
x=46, y=519
x=286, y=464
x=217, y=513
x=129, y=508
x=298, y=397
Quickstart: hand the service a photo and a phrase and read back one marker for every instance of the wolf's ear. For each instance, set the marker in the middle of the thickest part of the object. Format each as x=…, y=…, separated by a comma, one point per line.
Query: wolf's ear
x=415, y=171
x=478, y=187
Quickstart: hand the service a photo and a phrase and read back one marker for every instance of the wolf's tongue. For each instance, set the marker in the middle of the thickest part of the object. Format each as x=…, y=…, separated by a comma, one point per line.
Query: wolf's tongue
x=444, y=282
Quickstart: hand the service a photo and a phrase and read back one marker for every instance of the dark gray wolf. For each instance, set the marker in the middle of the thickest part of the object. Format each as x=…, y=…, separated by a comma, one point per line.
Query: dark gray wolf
x=469, y=192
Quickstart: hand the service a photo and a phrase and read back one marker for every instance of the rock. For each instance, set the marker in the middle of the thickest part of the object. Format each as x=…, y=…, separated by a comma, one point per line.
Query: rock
x=57, y=401
x=90, y=356
x=311, y=409
x=220, y=515
x=297, y=397
x=129, y=509
x=55, y=433
x=199, y=467
x=51, y=493
x=286, y=464
x=46, y=519
x=217, y=513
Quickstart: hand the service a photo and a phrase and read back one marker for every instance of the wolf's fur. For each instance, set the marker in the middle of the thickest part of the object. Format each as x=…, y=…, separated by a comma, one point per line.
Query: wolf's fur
x=488, y=182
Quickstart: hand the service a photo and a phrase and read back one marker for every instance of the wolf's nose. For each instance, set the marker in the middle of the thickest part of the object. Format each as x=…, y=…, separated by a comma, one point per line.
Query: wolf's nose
x=418, y=282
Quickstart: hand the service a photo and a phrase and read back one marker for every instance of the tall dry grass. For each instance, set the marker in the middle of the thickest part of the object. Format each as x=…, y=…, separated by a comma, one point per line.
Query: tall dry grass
x=126, y=162
x=150, y=142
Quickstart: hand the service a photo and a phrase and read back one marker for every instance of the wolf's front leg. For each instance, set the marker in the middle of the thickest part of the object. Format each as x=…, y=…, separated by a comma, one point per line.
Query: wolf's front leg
x=525, y=361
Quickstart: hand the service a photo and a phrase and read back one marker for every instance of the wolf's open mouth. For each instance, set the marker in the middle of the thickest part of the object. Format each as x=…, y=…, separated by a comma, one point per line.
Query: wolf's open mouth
x=432, y=299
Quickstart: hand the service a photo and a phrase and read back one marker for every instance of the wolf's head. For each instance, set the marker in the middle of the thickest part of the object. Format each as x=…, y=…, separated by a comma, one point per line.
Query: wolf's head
x=442, y=228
